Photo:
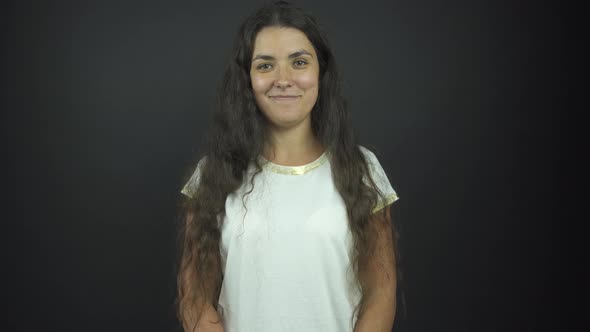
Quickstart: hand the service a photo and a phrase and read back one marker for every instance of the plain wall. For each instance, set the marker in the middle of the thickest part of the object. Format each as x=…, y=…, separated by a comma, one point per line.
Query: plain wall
x=105, y=105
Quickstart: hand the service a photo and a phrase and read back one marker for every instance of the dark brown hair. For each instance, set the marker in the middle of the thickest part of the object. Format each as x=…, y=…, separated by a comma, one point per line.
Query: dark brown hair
x=236, y=139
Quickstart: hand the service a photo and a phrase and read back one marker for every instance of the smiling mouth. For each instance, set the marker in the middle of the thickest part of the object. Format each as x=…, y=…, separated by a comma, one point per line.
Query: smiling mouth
x=279, y=98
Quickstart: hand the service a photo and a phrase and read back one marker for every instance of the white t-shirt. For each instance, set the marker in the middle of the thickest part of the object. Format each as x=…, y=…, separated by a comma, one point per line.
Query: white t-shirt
x=286, y=261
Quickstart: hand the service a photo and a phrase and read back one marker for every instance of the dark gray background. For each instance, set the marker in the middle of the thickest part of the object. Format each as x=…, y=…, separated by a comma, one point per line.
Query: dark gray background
x=105, y=104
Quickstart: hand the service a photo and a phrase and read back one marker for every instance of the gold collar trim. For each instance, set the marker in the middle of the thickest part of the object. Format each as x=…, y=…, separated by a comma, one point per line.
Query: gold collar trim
x=294, y=170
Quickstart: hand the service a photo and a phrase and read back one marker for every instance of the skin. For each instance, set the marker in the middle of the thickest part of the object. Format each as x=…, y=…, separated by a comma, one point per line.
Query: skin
x=380, y=275
x=284, y=63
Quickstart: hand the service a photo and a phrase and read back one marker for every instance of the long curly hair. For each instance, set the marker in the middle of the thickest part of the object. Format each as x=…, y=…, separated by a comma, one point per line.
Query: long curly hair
x=236, y=138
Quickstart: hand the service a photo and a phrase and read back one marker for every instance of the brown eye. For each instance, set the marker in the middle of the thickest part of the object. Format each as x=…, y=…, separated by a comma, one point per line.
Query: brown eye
x=300, y=63
x=264, y=66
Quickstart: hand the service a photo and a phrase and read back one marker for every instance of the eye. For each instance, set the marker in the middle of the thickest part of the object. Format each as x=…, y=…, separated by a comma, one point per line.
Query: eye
x=264, y=66
x=300, y=63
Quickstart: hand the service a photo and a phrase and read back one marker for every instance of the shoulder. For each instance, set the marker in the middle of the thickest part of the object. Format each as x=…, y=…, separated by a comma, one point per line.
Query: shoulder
x=364, y=150
x=191, y=185
x=375, y=169
x=368, y=154
x=199, y=168
x=380, y=178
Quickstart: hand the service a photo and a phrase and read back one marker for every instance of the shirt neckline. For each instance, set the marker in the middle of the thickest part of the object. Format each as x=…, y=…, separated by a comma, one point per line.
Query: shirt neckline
x=294, y=170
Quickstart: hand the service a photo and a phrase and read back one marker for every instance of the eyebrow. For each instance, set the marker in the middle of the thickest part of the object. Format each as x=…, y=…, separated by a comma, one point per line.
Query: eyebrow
x=291, y=56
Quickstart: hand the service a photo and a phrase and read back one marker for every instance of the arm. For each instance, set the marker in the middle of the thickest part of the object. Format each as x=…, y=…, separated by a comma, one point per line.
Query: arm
x=210, y=322
x=378, y=313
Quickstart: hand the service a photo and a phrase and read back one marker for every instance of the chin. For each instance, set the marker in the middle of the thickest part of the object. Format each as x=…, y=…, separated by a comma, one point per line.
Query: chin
x=288, y=122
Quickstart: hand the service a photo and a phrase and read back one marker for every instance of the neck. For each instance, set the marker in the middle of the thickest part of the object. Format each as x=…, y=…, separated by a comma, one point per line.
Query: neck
x=292, y=146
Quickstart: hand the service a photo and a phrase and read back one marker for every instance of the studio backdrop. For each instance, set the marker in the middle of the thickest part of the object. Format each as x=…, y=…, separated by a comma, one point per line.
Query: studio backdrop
x=105, y=105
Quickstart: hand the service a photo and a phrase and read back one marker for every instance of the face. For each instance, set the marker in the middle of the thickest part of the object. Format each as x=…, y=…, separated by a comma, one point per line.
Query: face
x=284, y=76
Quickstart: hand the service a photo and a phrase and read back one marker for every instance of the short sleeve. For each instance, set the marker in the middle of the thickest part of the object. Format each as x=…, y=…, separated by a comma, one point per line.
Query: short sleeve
x=190, y=188
x=381, y=180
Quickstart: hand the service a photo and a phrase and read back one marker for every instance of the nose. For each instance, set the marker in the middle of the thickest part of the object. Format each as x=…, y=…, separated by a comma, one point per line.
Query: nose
x=283, y=79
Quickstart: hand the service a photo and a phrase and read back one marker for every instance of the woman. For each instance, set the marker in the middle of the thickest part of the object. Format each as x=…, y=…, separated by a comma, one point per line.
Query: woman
x=287, y=224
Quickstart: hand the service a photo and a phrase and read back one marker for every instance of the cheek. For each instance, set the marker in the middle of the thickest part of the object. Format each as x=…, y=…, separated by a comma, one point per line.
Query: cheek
x=259, y=85
x=308, y=80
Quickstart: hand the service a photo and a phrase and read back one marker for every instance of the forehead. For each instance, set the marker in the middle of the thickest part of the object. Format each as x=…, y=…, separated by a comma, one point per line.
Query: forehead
x=279, y=40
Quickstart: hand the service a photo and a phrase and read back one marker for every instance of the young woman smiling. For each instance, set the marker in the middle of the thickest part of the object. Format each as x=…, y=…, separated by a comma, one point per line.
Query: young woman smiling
x=287, y=224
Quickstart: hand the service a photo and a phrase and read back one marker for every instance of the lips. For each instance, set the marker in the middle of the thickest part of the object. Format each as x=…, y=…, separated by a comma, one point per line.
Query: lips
x=283, y=96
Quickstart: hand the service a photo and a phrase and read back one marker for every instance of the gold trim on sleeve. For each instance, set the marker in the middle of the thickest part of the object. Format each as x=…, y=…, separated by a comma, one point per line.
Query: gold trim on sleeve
x=383, y=203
